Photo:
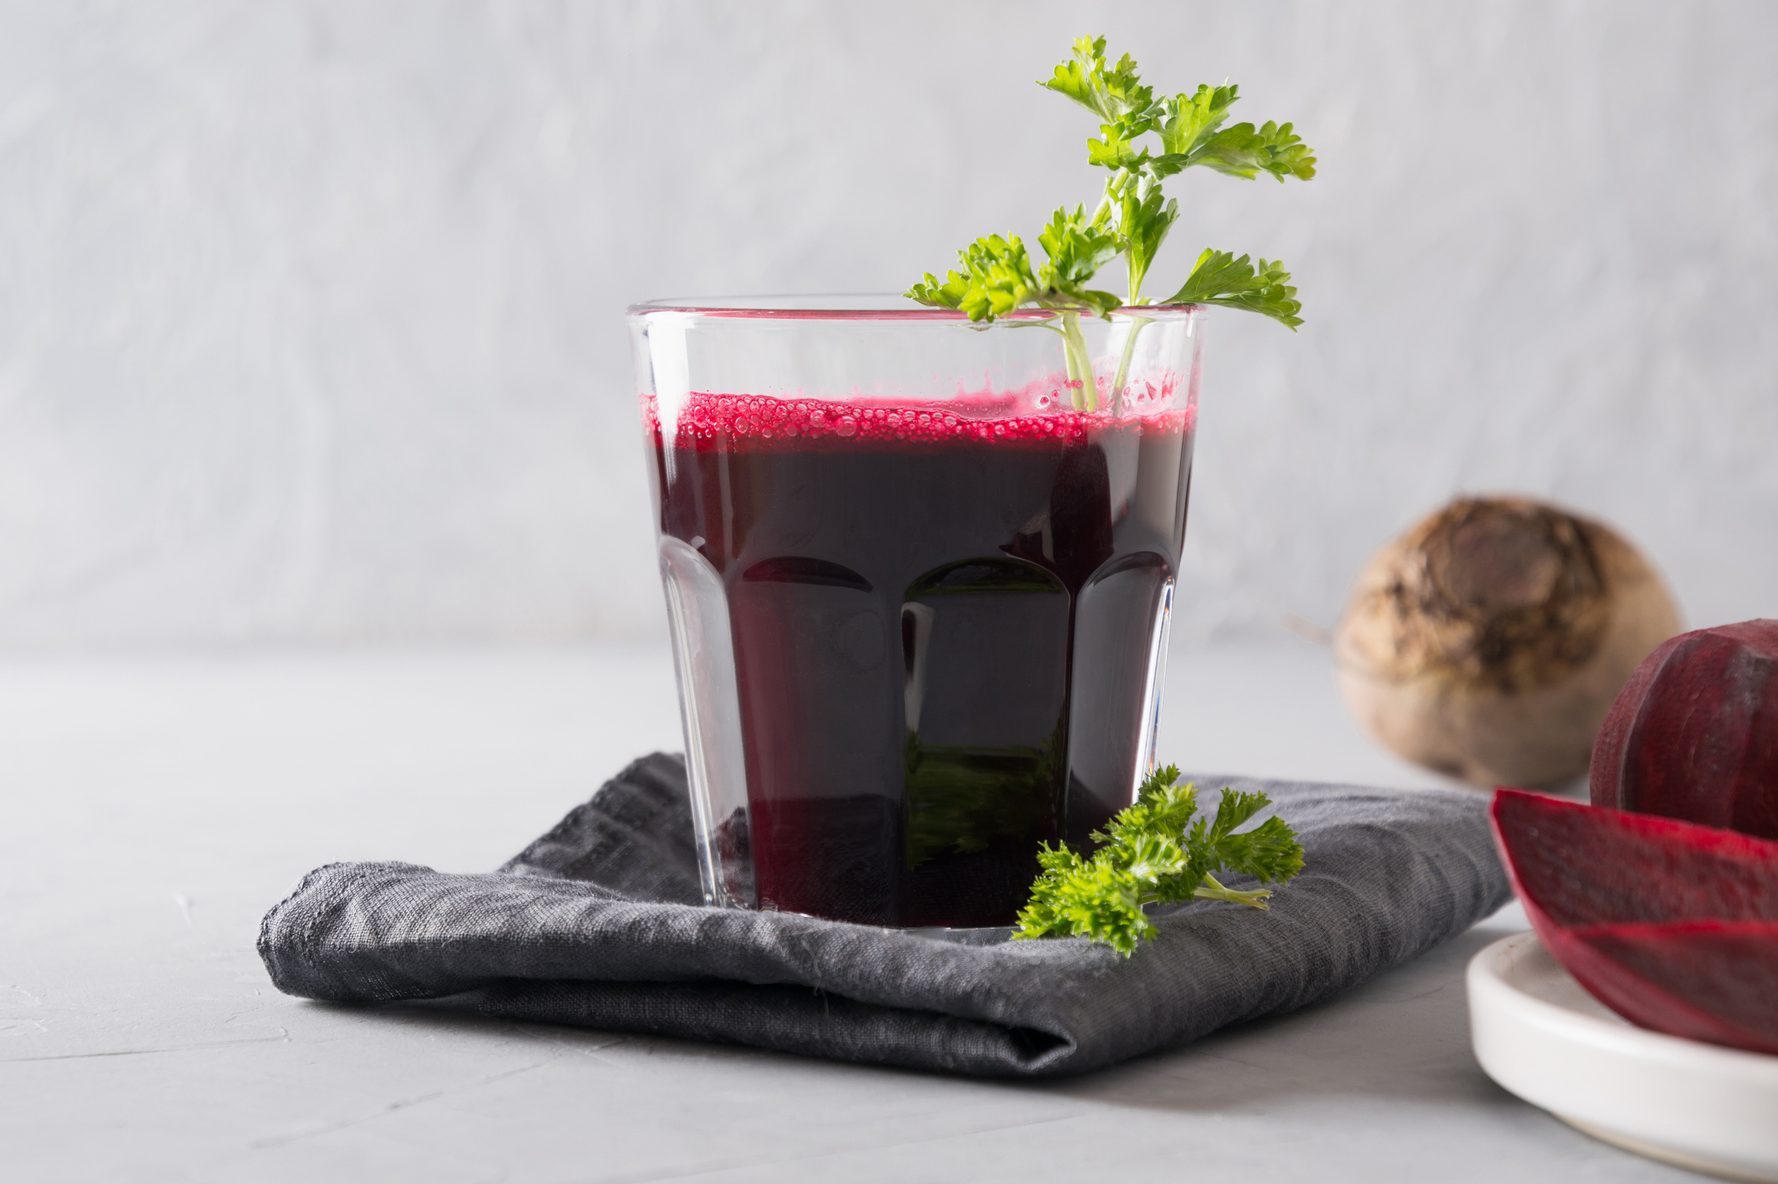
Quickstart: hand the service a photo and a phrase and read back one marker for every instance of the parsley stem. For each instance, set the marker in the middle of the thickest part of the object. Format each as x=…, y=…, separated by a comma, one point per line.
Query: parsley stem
x=1136, y=326
x=1214, y=889
x=1083, y=390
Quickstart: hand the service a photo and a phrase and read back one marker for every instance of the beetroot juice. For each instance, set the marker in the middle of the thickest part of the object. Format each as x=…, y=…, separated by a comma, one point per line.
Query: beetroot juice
x=928, y=630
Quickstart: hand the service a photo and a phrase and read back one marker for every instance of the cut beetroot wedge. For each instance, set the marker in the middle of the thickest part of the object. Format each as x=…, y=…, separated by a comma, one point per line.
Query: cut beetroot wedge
x=1673, y=926
x=1715, y=981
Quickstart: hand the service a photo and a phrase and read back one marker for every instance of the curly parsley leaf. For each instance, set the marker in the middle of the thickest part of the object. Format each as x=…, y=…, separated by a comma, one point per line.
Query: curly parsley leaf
x=1246, y=151
x=1142, y=141
x=1158, y=851
x=1234, y=281
x=1145, y=217
x=1187, y=121
x=1076, y=248
x=995, y=278
x=1191, y=133
x=1109, y=90
x=1116, y=146
x=997, y=275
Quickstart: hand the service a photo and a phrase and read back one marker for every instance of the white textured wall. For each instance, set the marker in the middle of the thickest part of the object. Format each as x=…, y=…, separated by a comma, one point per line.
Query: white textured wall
x=310, y=314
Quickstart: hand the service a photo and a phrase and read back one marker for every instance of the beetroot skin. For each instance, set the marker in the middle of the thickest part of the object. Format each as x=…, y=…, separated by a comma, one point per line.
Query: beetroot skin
x=1694, y=733
x=1671, y=925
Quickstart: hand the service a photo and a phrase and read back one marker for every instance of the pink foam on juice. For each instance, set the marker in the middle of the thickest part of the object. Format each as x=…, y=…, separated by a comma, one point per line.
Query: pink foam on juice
x=707, y=419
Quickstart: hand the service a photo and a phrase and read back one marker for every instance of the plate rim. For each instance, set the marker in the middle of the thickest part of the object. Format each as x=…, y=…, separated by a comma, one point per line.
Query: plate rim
x=1616, y=1082
x=1487, y=971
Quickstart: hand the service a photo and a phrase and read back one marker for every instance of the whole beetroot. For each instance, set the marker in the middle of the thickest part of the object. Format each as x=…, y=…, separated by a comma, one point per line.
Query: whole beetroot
x=1488, y=640
x=1694, y=734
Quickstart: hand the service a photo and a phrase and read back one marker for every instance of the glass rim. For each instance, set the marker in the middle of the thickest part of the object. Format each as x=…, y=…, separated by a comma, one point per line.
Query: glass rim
x=867, y=306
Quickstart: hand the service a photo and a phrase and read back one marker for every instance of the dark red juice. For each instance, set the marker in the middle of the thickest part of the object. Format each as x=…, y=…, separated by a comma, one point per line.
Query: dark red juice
x=929, y=629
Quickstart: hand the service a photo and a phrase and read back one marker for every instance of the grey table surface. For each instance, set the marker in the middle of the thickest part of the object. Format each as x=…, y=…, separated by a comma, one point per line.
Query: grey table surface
x=153, y=807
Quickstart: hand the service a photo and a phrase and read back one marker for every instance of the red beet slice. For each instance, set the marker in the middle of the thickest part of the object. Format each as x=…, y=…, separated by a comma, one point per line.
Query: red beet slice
x=1729, y=971
x=1694, y=733
x=1673, y=926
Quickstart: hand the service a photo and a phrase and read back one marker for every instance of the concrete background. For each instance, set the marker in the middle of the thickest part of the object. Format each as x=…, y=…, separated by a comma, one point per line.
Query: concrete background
x=311, y=314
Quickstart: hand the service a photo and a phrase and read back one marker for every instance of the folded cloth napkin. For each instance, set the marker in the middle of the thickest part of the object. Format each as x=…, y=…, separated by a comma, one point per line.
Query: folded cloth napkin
x=598, y=923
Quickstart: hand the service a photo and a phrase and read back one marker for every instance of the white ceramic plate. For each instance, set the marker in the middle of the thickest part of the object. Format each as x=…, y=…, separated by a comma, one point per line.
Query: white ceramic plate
x=1542, y=1037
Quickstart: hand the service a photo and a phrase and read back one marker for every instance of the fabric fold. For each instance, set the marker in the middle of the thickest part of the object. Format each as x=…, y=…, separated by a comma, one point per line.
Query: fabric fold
x=598, y=923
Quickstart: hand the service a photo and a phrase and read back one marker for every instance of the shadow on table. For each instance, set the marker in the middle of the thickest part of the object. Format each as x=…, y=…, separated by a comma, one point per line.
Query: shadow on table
x=1404, y=1036
x=443, y=1017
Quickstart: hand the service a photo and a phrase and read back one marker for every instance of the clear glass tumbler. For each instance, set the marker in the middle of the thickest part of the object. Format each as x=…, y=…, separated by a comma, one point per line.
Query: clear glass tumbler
x=918, y=573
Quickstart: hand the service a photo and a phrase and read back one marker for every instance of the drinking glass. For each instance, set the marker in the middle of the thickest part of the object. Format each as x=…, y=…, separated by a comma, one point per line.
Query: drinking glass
x=918, y=574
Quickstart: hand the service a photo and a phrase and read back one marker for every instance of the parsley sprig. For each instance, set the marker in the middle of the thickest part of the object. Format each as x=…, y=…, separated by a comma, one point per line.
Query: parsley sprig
x=1142, y=141
x=1158, y=851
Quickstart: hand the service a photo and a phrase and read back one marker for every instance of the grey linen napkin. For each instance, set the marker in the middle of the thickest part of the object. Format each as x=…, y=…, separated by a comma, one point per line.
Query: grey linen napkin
x=598, y=923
